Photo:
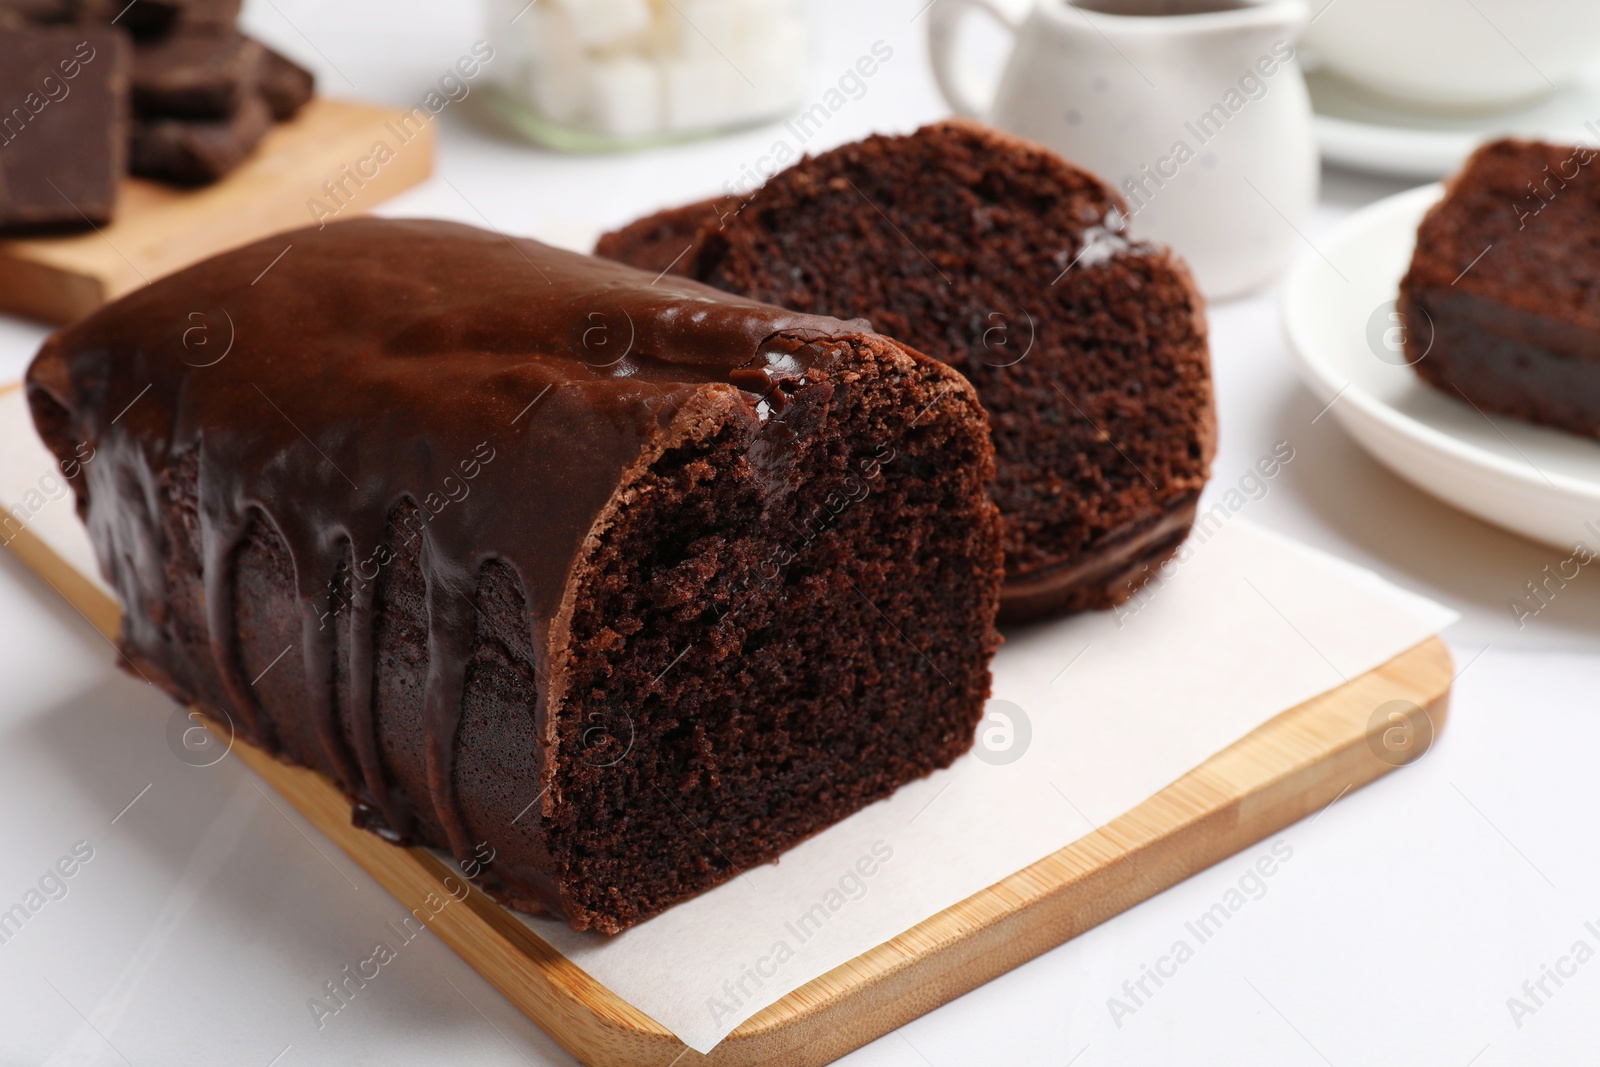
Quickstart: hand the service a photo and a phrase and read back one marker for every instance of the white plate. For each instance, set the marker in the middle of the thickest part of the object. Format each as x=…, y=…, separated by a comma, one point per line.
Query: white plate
x=1358, y=131
x=1538, y=482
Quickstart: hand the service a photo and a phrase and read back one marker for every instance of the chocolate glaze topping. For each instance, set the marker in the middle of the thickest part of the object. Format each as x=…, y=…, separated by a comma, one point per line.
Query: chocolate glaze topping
x=324, y=376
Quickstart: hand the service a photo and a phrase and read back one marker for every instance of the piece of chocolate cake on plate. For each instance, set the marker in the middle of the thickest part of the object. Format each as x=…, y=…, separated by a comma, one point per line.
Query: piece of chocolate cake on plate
x=1502, y=300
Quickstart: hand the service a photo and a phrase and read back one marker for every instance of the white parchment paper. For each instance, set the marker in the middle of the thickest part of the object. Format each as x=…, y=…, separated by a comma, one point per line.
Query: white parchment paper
x=1091, y=716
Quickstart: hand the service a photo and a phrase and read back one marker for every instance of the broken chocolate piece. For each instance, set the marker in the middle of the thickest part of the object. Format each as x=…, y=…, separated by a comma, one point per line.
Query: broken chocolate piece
x=63, y=124
x=156, y=18
x=17, y=13
x=285, y=84
x=197, y=151
x=195, y=75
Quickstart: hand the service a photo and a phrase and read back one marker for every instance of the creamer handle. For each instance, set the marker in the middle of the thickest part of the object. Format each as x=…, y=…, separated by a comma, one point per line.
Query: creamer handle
x=944, y=19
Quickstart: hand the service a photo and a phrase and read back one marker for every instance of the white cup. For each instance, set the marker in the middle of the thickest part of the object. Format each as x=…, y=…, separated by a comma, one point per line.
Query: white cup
x=1456, y=55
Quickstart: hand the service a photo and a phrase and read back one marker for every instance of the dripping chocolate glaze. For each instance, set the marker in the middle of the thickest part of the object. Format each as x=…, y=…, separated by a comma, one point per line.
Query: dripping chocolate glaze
x=323, y=377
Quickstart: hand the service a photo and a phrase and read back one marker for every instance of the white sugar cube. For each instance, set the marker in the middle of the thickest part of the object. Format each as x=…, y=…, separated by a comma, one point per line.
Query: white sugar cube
x=625, y=96
x=604, y=23
x=553, y=34
x=701, y=95
x=697, y=94
x=555, y=76
x=725, y=28
x=629, y=68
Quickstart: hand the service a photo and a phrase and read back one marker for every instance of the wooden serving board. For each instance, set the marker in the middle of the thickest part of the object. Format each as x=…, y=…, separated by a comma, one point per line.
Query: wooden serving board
x=1294, y=765
x=161, y=228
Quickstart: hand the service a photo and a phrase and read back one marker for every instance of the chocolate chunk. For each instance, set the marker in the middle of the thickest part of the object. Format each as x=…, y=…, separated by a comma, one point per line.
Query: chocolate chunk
x=195, y=75
x=155, y=18
x=286, y=85
x=197, y=151
x=63, y=122
x=15, y=13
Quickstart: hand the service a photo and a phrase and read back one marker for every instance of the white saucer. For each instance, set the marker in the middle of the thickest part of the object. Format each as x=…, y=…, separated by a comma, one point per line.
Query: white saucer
x=1362, y=132
x=1541, y=483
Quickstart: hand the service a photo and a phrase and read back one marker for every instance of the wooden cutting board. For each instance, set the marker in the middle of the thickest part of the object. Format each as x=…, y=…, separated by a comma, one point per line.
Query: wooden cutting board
x=160, y=228
x=1296, y=764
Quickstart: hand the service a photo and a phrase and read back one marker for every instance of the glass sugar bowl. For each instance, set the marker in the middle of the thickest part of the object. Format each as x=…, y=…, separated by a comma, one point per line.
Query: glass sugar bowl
x=598, y=75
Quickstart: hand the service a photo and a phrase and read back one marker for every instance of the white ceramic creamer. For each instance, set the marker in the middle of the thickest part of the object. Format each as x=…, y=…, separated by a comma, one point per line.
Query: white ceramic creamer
x=1195, y=110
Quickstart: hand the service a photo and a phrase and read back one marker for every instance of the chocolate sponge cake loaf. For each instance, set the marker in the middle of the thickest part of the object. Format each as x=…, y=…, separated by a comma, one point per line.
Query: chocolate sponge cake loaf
x=626, y=586
x=1088, y=350
x=1502, y=300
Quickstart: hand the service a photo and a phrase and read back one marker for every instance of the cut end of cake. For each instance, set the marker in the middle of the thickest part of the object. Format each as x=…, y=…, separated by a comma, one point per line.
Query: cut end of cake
x=767, y=638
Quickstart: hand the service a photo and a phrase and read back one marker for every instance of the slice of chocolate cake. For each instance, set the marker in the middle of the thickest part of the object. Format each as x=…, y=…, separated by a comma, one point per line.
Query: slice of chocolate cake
x=1502, y=300
x=664, y=241
x=629, y=586
x=1088, y=350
